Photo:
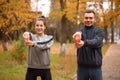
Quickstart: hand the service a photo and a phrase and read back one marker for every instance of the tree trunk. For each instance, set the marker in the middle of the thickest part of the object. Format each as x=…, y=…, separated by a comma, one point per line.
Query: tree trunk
x=63, y=34
x=63, y=49
x=119, y=33
x=5, y=46
x=63, y=37
x=106, y=35
x=112, y=32
x=112, y=24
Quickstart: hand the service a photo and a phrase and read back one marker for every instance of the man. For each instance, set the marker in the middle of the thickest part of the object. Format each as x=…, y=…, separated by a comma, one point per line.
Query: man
x=89, y=42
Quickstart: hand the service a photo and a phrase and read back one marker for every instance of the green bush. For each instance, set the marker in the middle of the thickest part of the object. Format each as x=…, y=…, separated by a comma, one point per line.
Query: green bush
x=20, y=49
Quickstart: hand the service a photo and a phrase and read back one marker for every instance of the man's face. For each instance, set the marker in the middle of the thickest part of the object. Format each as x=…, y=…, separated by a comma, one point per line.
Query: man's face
x=89, y=19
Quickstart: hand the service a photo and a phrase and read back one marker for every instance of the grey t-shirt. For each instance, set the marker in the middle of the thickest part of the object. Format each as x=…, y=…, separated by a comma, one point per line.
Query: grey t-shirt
x=38, y=55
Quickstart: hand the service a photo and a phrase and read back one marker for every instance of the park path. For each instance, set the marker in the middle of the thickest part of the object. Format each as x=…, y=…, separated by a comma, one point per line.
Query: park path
x=111, y=63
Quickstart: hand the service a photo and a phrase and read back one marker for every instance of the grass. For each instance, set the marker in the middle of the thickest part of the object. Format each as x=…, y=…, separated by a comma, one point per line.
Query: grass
x=105, y=48
x=62, y=67
x=10, y=69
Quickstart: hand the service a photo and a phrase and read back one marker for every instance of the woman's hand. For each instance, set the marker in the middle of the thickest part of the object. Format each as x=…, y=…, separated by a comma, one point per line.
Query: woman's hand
x=26, y=36
x=29, y=43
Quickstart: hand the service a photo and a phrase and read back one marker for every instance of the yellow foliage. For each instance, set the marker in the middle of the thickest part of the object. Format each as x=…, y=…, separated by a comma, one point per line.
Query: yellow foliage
x=71, y=12
x=15, y=15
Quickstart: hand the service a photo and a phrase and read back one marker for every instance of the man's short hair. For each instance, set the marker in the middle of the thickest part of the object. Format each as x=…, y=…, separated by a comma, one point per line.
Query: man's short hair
x=90, y=11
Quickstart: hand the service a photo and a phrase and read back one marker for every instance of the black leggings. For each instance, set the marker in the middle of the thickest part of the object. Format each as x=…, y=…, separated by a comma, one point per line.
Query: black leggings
x=32, y=74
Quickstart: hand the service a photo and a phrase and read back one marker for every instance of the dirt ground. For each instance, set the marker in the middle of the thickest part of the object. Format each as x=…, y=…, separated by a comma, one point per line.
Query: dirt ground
x=10, y=47
x=111, y=63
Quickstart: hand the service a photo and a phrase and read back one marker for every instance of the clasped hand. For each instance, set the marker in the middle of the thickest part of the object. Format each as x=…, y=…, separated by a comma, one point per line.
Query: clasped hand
x=79, y=44
x=27, y=40
x=77, y=40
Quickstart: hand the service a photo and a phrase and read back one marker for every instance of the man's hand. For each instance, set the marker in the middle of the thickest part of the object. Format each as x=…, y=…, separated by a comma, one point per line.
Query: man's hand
x=77, y=37
x=79, y=44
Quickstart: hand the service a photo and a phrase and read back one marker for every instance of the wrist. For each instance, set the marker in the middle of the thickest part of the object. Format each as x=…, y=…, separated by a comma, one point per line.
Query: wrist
x=33, y=44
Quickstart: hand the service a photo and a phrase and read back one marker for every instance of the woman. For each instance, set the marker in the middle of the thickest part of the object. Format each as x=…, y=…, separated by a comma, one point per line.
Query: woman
x=39, y=50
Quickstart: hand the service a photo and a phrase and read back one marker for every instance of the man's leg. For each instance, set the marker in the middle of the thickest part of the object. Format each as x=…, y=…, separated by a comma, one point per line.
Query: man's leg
x=82, y=74
x=95, y=74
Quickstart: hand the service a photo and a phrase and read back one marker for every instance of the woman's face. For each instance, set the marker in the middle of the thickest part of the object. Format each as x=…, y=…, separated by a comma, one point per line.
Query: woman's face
x=40, y=28
x=89, y=19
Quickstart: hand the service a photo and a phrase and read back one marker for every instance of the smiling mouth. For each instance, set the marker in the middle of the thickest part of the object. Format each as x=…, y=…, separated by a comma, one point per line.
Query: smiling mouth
x=88, y=23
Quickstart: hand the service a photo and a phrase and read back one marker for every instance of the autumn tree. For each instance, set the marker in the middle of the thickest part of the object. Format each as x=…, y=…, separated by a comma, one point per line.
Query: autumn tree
x=68, y=21
x=63, y=18
x=111, y=19
x=15, y=15
x=117, y=16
